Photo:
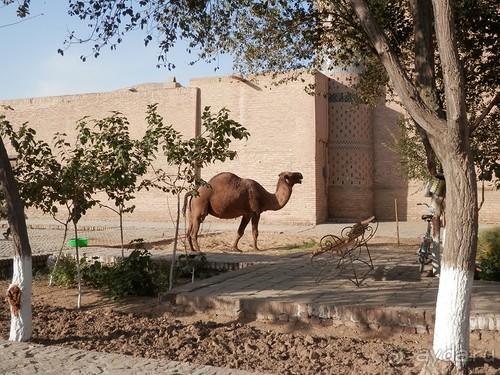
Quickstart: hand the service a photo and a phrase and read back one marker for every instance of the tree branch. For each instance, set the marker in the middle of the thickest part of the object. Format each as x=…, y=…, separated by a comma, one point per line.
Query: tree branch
x=453, y=73
x=425, y=69
x=407, y=92
x=485, y=113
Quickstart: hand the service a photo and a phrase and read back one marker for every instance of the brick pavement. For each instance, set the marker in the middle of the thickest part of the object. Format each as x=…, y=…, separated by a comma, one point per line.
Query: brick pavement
x=395, y=294
x=20, y=358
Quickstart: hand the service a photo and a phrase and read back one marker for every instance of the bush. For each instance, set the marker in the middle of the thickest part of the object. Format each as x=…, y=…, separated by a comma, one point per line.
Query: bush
x=136, y=274
x=194, y=266
x=94, y=273
x=489, y=254
x=190, y=265
x=63, y=272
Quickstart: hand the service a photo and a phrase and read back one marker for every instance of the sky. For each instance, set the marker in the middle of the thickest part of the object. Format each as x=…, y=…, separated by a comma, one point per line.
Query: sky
x=31, y=67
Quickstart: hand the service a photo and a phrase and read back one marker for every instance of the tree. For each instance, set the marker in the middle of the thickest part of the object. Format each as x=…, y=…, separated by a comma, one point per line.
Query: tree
x=49, y=182
x=443, y=74
x=122, y=160
x=450, y=140
x=36, y=171
x=19, y=291
x=186, y=157
x=75, y=184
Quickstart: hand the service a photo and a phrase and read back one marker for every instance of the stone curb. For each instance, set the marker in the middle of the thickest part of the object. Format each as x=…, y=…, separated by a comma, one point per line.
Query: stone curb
x=413, y=320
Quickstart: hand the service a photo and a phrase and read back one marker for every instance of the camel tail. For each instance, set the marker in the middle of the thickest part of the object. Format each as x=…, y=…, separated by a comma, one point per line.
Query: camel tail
x=184, y=206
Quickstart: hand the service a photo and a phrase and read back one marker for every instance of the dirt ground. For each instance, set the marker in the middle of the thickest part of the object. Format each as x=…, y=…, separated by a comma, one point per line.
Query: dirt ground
x=140, y=327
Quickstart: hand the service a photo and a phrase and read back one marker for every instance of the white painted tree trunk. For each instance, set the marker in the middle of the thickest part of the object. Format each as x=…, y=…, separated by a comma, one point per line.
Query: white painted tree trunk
x=451, y=330
x=453, y=305
x=19, y=292
x=21, y=325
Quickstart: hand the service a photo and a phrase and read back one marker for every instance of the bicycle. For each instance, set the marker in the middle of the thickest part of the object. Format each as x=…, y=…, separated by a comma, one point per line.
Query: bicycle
x=425, y=254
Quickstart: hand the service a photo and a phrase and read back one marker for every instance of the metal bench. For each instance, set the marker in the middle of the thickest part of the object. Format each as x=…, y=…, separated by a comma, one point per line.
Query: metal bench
x=348, y=253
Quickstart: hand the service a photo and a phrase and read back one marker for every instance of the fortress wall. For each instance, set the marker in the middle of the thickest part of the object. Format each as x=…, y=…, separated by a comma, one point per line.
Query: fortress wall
x=59, y=114
x=490, y=210
x=289, y=131
x=283, y=137
x=389, y=186
x=488, y=214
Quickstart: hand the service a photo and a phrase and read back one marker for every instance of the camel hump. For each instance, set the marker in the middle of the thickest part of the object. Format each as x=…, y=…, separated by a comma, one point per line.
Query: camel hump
x=229, y=182
x=224, y=178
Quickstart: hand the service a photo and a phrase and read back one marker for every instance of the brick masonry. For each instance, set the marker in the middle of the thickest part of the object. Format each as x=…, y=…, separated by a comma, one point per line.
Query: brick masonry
x=339, y=148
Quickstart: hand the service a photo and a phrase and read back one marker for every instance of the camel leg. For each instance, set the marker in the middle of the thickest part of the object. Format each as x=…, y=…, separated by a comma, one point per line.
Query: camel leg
x=195, y=221
x=192, y=235
x=255, y=230
x=189, y=232
x=190, y=240
x=189, y=236
x=197, y=214
x=241, y=229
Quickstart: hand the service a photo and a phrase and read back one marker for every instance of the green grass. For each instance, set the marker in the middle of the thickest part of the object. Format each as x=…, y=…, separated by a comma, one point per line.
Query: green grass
x=304, y=246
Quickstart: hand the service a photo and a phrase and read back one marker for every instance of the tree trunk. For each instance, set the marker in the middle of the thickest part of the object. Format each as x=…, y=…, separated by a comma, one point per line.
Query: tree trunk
x=451, y=328
x=451, y=332
x=78, y=268
x=176, y=240
x=19, y=291
x=450, y=140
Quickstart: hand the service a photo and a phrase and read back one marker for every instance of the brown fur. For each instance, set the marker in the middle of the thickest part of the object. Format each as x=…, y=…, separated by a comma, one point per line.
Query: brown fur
x=230, y=196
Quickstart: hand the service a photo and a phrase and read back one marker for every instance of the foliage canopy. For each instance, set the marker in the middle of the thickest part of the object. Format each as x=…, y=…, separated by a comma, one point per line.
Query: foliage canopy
x=280, y=36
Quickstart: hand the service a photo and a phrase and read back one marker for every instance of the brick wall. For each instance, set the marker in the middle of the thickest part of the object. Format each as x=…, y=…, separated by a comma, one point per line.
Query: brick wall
x=338, y=147
x=286, y=126
x=37, y=261
x=390, y=189
x=49, y=115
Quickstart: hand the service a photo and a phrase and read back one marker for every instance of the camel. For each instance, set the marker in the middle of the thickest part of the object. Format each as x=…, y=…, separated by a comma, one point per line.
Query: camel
x=230, y=196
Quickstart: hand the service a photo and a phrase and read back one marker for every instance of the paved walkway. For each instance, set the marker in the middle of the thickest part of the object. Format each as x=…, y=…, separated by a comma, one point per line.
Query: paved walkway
x=46, y=235
x=19, y=358
x=277, y=288
x=395, y=294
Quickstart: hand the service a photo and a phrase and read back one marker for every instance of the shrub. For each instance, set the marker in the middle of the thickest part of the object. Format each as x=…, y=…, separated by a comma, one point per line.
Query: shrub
x=94, y=273
x=192, y=266
x=136, y=274
x=489, y=254
x=133, y=275
x=63, y=272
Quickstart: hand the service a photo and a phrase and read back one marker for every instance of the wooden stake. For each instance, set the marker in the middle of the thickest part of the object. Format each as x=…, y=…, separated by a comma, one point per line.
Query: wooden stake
x=397, y=221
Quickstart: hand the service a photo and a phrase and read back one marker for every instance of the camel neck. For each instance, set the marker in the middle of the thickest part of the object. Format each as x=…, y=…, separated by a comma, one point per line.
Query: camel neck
x=281, y=197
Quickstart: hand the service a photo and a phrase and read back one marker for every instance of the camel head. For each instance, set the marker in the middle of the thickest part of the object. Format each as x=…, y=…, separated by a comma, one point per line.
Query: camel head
x=291, y=178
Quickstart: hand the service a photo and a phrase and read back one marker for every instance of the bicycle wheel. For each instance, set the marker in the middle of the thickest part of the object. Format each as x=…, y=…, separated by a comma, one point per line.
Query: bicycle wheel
x=423, y=255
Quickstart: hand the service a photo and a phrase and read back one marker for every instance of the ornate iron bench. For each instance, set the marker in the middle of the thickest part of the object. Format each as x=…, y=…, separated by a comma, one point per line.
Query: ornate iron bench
x=348, y=253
